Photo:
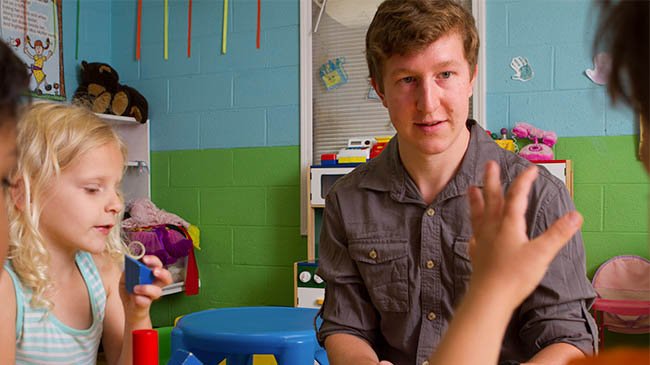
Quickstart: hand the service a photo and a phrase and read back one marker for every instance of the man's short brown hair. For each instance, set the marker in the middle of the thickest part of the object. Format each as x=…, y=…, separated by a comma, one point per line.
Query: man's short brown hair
x=407, y=26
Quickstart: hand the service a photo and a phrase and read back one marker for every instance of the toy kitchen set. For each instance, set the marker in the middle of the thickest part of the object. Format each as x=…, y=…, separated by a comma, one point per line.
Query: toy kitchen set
x=309, y=288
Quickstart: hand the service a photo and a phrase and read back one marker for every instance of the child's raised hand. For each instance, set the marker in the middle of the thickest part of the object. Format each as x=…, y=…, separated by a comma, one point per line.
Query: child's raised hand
x=138, y=303
x=502, y=255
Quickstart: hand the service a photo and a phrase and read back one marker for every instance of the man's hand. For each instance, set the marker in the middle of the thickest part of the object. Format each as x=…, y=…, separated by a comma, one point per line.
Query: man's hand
x=503, y=258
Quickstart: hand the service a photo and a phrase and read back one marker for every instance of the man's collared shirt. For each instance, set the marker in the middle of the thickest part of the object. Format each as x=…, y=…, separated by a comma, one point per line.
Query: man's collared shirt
x=396, y=267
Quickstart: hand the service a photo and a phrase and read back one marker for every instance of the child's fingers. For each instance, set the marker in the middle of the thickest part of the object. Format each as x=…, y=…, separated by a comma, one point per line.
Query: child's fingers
x=152, y=261
x=476, y=205
x=163, y=277
x=548, y=244
x=151, y=291
x=492, y=193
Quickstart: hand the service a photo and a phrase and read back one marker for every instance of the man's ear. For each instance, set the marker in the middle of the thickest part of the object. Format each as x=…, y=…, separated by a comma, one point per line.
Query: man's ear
x=373, y=82
x=17, y=192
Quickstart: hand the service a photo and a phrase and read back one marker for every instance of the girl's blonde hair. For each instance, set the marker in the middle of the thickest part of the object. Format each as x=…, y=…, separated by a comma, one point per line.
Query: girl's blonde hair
x=51, y=137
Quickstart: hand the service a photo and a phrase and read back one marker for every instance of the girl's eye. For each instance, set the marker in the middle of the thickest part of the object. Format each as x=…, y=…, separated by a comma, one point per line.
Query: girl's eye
x=91, y=189
x=446, y=74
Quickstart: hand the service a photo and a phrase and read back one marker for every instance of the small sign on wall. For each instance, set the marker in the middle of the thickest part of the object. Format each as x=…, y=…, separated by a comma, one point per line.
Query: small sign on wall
x=32, y=28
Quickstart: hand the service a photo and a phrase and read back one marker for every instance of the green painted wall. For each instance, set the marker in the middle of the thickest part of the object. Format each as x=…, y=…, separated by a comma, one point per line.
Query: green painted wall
x=246, y=202
x=611, y=192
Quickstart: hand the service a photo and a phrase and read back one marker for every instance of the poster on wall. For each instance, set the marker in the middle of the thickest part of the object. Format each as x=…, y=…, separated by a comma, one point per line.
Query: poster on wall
x=32, y=28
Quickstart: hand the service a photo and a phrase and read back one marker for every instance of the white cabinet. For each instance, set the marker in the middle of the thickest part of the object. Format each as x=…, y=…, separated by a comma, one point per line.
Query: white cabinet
x=137, y=181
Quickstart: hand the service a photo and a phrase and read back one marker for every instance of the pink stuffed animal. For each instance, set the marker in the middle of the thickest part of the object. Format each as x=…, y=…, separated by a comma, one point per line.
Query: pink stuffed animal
x=535, y=151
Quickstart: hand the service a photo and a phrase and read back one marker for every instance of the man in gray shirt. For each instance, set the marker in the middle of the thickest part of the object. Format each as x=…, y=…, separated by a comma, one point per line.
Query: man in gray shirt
x=393, y=246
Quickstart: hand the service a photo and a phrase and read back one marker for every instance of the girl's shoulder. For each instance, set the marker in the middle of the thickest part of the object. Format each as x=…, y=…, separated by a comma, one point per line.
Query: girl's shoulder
x=108, y=270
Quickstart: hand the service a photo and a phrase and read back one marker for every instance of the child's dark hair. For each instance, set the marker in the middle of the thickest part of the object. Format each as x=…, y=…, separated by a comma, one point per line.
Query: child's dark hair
x=623, y=32
x=14, y=81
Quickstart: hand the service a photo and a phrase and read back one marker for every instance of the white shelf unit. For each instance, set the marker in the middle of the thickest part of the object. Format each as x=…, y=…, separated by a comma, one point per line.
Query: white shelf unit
x=137, y=179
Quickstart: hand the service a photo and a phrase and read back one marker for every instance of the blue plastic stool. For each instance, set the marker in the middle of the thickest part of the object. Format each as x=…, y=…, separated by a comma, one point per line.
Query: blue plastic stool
x=235, y=334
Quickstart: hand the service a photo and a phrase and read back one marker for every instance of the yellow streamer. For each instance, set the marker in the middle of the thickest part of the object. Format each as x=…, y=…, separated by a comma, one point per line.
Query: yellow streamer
x=166, y=28
x=225, y=26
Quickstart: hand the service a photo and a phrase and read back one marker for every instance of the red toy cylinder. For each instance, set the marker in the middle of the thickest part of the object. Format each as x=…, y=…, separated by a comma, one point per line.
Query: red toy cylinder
x=145, y=347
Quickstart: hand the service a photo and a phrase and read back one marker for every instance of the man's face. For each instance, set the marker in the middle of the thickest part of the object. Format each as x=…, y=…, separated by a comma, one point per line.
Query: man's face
x=427, y=96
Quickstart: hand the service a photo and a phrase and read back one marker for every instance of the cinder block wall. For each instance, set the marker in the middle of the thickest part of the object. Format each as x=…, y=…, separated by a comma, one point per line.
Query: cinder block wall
x=224, y=140
x=610, y=185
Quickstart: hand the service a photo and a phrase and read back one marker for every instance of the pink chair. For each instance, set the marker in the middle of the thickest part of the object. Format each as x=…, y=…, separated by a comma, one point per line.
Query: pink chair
x=623, y=303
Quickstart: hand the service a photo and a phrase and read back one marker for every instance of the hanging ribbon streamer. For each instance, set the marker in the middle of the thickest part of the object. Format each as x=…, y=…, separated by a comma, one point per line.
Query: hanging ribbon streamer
x=225, y=26
x=189, y=30
x=137, y=47
x=259, y=20
x=166, y=28
x=76, y=46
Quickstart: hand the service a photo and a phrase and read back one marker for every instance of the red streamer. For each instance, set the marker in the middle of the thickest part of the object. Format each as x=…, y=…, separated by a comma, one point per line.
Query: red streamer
x=259, y=13
x=189, y=30
x=137, y=49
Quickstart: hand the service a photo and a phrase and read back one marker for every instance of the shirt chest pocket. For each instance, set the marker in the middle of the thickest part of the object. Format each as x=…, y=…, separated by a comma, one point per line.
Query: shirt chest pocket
x=384, y=268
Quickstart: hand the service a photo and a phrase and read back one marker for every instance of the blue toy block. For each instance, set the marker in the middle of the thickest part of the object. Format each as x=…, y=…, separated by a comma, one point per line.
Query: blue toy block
x=182, y=357
x=136, y=273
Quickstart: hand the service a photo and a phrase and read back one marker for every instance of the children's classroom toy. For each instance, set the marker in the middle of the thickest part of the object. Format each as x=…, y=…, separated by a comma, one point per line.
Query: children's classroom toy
x=379, y=146
x=182, y=357
x=145, y=347
x=535, y=151
x=333, y=74
x=136, y=273
x=101, y=92
x=357, y=151
x=504, y=142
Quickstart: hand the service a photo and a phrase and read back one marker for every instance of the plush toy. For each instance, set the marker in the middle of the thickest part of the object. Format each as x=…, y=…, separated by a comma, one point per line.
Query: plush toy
x=535, y=151
x=101, y=92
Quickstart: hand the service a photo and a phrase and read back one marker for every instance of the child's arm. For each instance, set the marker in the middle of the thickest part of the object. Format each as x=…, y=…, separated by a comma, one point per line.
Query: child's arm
x=8, y=319
x=506, y=268
x=127, y=312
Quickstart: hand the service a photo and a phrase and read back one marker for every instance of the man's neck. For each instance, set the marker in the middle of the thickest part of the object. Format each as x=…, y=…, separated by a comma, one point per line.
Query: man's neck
x=431, y=173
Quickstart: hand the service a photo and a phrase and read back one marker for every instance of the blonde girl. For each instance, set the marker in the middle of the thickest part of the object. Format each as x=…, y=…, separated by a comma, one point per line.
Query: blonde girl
x=67, y=292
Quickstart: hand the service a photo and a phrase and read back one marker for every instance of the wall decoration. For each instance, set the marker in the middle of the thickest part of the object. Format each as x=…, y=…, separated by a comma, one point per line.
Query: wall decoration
x=333, y=74
x=602, y=67
x=523, y=71
x=33, y=29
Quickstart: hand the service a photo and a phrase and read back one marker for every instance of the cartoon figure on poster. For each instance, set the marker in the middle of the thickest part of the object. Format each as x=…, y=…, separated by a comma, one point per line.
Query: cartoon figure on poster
x=39, y=59
x=33, y=29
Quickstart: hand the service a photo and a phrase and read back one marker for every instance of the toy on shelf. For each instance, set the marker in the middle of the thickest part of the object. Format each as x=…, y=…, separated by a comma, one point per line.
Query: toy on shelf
x=504, y=142
x=358, y=151
x=535, y=151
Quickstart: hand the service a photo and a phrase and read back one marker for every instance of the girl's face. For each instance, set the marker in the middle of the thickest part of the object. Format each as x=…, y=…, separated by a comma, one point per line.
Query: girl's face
x=83, y=203
x=7, y=163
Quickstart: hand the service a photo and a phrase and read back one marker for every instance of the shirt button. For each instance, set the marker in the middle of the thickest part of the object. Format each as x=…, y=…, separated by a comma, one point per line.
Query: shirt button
x=431, y=212
x=430, y=264
x=372, y=254
x=431, y=316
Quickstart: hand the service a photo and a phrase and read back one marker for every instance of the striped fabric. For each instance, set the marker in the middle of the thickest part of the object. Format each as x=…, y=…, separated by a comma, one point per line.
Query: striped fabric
x=42, y=339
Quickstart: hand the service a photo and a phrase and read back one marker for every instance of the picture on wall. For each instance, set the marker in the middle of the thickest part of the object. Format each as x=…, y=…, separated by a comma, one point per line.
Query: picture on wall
x=32, y=28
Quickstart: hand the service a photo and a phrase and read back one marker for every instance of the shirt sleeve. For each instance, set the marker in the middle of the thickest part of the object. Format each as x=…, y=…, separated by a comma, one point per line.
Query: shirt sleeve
x=557, y=311
x=347, y=307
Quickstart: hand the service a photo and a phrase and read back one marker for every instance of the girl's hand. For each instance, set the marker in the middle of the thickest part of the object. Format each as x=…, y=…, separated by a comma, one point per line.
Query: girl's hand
x=504, y=259
x=136, y=305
